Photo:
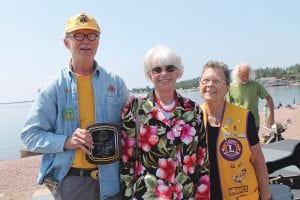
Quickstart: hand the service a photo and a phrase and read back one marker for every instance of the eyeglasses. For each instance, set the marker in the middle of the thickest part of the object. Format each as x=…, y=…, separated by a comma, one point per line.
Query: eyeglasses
x=168, y=68
x=81, y=36
x=215, y=81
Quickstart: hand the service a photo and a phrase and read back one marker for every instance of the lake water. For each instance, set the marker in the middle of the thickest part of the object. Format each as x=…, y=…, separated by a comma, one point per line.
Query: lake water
x=12, y=117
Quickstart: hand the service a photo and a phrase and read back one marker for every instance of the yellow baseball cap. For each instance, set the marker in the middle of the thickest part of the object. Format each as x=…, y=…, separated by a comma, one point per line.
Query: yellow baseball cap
x=81, y=21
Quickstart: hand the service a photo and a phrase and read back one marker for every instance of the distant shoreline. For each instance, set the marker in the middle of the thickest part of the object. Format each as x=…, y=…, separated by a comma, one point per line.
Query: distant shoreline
x=15, y=102
x=145, y=92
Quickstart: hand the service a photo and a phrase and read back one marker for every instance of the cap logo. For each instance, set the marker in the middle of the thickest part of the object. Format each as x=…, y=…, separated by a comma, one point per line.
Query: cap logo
x=82, y=19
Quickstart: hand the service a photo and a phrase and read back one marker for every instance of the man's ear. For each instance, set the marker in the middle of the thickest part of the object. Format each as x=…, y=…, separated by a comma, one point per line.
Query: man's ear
x=66, y=42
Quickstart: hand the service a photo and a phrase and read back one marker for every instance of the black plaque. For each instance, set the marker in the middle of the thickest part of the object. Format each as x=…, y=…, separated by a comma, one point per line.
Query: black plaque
x=106, y=138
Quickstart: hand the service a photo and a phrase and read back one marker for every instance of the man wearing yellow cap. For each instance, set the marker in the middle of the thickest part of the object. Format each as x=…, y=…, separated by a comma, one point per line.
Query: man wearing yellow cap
x=79, y=96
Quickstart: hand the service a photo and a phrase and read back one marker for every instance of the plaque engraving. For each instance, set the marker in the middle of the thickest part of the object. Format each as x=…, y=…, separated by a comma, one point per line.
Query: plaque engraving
x=106, y=143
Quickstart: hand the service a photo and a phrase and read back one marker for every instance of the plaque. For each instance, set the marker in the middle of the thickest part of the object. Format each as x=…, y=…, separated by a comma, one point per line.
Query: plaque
x=106, y=143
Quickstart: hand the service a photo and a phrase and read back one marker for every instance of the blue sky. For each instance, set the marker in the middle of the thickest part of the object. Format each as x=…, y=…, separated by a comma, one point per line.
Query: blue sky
x=262, y=33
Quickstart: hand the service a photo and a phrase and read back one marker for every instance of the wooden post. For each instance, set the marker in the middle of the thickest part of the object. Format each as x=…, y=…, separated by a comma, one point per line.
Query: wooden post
x=26, y=153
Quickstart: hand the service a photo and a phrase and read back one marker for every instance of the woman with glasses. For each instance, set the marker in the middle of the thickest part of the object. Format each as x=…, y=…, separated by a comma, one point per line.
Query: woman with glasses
x=163, y=140
x=237, y=165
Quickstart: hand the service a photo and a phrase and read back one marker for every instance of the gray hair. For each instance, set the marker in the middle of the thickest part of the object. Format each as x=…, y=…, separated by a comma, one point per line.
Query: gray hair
x=235, y=72
x=218, y=65
x=161, y=56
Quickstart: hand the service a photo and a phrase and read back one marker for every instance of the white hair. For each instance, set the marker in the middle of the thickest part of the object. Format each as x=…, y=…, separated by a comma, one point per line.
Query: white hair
x=235, y=72
x=161, y=56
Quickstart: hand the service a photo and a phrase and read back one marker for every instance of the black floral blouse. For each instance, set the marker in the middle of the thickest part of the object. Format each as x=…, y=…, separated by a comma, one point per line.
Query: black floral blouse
x=171, y=161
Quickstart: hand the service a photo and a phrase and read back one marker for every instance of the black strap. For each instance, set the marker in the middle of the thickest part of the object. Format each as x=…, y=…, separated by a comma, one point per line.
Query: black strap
x=137, y=127
x=80, y=172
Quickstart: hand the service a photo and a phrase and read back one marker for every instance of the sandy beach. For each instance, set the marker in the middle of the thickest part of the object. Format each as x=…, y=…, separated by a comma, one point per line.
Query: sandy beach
x=18, y=177
x=282, y=115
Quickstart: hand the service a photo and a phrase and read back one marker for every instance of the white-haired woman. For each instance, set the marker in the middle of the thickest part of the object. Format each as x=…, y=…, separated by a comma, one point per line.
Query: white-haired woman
x=165, y=156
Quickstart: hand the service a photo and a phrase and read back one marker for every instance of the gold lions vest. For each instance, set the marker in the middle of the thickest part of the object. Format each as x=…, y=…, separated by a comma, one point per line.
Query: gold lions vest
x=237, y=175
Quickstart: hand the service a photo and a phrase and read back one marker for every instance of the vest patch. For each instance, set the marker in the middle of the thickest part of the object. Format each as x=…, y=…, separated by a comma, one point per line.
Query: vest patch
x=237, y=190
x=231, y=149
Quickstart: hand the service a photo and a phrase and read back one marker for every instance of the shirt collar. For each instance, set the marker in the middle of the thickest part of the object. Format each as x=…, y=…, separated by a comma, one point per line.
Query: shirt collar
x=95, y=73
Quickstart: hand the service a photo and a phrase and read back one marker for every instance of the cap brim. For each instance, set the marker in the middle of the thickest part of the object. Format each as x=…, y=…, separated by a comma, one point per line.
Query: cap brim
x=82, y=28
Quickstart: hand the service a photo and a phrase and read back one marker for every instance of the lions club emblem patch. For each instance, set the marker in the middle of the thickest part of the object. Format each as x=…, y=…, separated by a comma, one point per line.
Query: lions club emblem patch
x=231, y=149
x=68, y=114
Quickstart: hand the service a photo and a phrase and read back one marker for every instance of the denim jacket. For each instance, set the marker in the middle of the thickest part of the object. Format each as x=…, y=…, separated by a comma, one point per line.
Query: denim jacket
x=54, y=116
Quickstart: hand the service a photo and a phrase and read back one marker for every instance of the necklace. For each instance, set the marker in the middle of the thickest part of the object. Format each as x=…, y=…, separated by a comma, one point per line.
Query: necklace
x=214, y=119
x=164, y=108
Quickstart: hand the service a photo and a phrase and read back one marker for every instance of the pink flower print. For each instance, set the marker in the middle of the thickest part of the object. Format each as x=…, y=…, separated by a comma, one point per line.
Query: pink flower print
x=187, y=133
x=156, y=114
x=139, y=169
x=177, y=127
x=187, y=105
x=170, y=135
x=165, y=192
x=203, y=190
x=124, y=111
x=162, y=191
x=201, y=155
x=127, y=146
x=189, y=163
x=148, y=137
x=178, y=156
x=177, y=190
x=166, y=170
x=205, y=180
x=184, y=131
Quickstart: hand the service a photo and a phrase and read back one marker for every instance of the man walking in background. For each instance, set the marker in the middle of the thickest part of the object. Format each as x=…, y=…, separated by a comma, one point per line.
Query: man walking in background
x=80, y=95
x=245, y=91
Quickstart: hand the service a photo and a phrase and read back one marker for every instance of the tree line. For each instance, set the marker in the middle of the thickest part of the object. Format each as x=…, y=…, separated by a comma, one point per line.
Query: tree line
x=278, y=72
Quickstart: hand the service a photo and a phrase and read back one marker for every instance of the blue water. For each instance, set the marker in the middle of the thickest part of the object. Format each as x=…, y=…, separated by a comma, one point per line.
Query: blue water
x=283, y=94
x=12, y=117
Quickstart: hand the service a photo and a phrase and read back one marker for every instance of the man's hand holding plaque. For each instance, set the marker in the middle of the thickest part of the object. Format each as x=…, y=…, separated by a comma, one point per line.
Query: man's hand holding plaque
x=106, y=138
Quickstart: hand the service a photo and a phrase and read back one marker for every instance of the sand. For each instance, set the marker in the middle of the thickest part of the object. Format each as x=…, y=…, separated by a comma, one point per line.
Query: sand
x=18, y=177
x=282, y=115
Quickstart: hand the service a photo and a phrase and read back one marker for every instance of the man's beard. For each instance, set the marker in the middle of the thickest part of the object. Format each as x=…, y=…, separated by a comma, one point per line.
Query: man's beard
x=244, y=82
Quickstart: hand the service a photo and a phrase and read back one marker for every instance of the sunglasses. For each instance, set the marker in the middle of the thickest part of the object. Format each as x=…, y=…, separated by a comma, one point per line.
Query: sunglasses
x=168, y=68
